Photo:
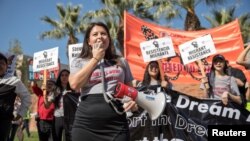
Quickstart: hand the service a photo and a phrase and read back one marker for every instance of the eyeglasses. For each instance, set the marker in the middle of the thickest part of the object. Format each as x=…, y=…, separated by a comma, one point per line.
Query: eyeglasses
x=219, y=61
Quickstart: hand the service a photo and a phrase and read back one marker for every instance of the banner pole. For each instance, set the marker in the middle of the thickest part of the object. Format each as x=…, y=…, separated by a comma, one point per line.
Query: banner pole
x=161, y=70
x=202, y=72
x=44, y=80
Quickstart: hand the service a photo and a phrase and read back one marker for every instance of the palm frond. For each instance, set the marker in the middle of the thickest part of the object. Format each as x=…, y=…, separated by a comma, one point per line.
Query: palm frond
x=50, y=21
x=53, y=34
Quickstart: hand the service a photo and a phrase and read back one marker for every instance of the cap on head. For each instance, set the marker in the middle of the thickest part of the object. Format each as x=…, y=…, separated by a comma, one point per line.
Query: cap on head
x=219, y=57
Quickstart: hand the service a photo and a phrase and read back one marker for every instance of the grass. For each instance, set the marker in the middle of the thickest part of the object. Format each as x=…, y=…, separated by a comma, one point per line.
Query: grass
x=33, y=136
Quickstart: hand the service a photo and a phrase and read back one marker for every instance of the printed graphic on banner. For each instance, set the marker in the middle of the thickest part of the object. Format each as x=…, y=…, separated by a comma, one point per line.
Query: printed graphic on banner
x=74, y=51
x=197, y=49
x=45, y=59
x=157, y=49
x=186, y=118
x=52, y=73
x=227, y=40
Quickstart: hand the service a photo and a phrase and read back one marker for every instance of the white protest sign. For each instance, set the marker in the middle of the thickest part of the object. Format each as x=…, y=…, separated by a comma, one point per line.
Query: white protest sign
x=197, y=49
x=45, y=59
x=74, y=50
x=157, y=49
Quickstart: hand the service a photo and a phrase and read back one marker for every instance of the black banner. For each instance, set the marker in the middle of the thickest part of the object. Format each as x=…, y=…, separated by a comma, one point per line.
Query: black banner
x=186, y=119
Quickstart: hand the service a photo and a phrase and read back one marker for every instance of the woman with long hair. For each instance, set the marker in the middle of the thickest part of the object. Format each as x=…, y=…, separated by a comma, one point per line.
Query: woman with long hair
x=222, y=86
x=62, y=84
x=96, y=72
x=152, y=78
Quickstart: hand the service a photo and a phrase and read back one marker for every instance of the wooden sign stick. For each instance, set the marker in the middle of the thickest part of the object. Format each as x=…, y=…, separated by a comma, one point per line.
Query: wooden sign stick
x=44, y=81
x=200, y=65
x=161, y=70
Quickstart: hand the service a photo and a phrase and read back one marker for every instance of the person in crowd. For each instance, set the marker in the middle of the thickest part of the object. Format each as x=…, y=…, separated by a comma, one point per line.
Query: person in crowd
x=96, y=72
x=248, y=96
x=26, y=123
x=244, y=61
x=221, y=85
x=240, y=80
x=242, y=58
x=45, y=110
x=152, y=78
x=17, y=123
x=10, y=87
x=22, y=126
x=152, y=81
x=63, y=88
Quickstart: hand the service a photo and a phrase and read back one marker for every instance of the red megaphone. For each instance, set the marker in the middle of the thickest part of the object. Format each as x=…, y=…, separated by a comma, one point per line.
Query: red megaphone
x=121, y=90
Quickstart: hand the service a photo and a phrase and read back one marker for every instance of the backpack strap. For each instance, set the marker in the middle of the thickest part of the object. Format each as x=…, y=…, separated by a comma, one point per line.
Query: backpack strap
x=210, y=77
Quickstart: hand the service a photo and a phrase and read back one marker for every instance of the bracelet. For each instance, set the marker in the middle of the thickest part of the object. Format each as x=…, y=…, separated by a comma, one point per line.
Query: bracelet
x=96, y=59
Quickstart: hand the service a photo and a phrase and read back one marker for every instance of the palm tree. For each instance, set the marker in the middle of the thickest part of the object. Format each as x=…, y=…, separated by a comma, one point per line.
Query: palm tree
x=172, y=9
x=113, y=15
x=68, y=25
x=224, y=16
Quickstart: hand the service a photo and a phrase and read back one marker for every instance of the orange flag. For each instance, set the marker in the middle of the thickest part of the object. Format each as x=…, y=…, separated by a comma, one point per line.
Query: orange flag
x=227, y=40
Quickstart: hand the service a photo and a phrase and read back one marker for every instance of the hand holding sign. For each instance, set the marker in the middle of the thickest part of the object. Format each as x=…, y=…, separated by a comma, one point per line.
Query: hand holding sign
x=157, y=49
x=197, y=49
x=45, y=59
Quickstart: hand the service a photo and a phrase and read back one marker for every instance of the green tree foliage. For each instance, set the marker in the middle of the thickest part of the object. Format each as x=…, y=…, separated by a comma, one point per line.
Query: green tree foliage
x=21, y=64
x=15, y=47
x=68, y=25
x=112, y=14
x=224, y=16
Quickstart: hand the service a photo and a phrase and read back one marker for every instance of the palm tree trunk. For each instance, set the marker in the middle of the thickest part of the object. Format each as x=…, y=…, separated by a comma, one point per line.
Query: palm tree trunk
x=120, y=36
x=192, y=21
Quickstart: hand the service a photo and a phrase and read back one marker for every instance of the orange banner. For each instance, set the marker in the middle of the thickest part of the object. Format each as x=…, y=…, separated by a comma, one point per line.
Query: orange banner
x=227, y=40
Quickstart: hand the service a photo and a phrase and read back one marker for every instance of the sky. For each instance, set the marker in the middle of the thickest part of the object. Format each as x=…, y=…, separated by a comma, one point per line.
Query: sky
x=21, y=20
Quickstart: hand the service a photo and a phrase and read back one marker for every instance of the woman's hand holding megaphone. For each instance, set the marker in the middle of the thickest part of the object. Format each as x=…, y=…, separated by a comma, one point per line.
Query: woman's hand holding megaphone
x=130, y=105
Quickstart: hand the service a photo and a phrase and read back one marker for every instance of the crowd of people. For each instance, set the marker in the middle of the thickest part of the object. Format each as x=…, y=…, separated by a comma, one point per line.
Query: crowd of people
x=94, y=75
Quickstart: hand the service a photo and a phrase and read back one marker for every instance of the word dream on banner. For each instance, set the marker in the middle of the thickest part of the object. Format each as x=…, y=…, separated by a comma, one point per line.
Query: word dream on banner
x=157, y=49
x=187, y=118
x=227, y=40
x=197, y=49
x=45, y=59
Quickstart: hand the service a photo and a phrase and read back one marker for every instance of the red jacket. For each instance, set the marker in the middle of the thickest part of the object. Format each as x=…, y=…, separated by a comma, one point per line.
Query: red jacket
x=43, y=113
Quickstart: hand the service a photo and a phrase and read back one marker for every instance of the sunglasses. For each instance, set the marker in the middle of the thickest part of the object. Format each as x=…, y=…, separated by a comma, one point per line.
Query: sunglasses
x=153, y=65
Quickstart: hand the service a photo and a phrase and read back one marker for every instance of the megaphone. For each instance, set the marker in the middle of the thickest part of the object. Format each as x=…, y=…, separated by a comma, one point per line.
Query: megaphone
x=153, y=104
